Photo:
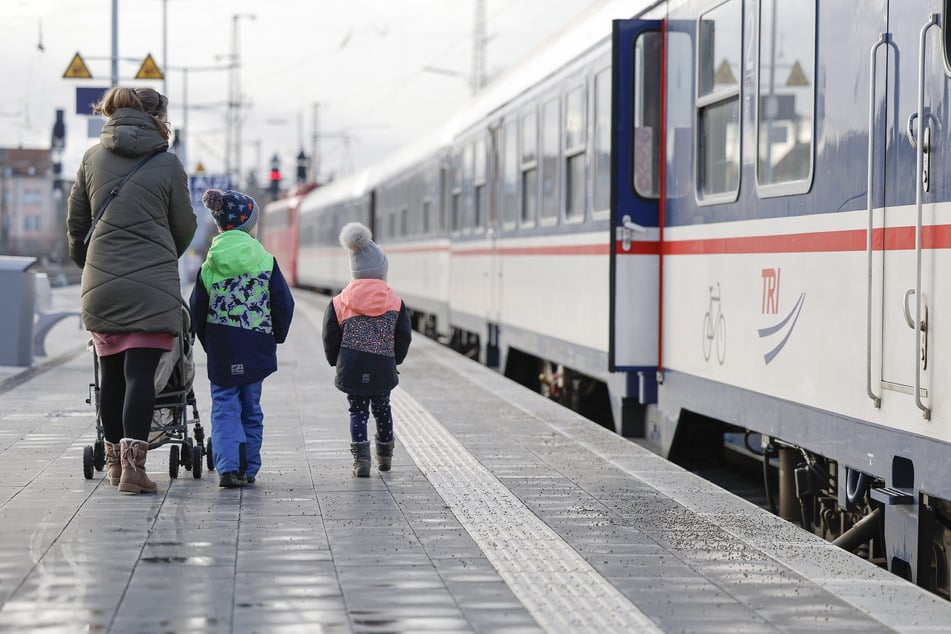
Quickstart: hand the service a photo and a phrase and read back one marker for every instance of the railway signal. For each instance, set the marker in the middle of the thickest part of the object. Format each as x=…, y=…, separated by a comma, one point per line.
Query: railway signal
x=275, y=177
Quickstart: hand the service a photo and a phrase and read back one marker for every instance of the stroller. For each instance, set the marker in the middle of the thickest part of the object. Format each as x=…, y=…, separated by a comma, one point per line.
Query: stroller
x=173, y=398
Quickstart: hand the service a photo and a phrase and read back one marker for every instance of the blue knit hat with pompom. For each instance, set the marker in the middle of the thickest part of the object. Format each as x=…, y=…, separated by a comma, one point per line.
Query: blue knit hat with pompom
x=231, y=210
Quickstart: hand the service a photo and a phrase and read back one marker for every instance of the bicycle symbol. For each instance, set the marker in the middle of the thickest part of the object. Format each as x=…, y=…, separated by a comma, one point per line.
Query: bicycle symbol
x=714, y=328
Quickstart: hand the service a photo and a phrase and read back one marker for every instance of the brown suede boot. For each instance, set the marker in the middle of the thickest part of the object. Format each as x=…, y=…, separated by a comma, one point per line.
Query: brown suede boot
x=134, y=479
x=113, y=462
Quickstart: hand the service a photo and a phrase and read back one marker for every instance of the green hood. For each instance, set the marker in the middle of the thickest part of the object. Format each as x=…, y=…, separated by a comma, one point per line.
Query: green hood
x=234, y=253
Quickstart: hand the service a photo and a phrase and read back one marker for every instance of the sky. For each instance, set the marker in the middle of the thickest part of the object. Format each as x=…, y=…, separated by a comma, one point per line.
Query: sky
x=373, y=74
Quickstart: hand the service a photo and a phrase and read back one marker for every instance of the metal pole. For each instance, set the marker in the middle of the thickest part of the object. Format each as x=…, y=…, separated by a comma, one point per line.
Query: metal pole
x=184, y=130
x=115, y=43
x=233, y=155
x=314, y=156
x=165, y=47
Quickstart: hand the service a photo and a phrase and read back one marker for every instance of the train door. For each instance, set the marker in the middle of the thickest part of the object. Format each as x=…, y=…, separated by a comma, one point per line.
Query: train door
x=493, y=235
x=915, y=91
x=636, y=177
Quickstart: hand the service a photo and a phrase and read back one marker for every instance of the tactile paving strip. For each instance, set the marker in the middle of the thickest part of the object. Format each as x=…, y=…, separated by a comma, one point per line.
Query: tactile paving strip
x=560, y=589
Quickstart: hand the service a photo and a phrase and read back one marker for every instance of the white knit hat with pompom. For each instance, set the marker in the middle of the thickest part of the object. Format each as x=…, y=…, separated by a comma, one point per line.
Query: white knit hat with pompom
x=367, y=260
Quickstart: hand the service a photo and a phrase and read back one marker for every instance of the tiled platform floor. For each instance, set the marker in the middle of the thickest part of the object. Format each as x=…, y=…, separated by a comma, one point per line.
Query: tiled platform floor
x=503, y=513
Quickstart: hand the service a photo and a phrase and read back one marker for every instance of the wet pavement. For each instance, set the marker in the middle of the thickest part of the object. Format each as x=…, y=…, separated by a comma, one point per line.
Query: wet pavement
x=503, y=513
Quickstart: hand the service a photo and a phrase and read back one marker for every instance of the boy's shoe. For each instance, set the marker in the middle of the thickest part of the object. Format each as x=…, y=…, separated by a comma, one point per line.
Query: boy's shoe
x=232, y=480
x=251, y=480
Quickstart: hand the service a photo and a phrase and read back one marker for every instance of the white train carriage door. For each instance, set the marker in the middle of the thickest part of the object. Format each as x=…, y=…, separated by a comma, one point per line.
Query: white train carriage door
x=636, y=189
x=915, y=91
x=487, y=209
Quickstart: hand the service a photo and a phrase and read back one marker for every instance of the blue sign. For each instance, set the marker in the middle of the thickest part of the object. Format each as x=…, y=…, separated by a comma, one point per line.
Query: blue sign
x=199, y=183
x=86, y=98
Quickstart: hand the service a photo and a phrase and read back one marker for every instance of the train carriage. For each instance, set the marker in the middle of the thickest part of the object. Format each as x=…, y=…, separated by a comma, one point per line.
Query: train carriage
x=695, y=217
x=279, y=230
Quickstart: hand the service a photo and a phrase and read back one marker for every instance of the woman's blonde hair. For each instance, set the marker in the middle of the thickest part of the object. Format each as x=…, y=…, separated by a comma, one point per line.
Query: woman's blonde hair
x=147, y=100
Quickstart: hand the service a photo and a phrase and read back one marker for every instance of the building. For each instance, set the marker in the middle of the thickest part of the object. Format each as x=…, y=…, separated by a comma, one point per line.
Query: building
x=32, y=212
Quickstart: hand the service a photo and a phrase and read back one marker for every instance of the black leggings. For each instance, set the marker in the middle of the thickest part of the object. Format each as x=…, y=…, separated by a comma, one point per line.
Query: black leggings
x=127, y=393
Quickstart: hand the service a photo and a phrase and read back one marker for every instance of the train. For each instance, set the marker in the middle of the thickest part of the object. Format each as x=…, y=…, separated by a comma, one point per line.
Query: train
x=697, y=221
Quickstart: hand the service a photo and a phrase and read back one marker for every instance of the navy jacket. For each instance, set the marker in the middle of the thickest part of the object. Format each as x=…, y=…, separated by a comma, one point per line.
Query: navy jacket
x=367, y=332
x=241, y=308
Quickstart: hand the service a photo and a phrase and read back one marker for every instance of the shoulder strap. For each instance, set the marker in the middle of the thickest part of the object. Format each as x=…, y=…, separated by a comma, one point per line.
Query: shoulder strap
x=115, y=191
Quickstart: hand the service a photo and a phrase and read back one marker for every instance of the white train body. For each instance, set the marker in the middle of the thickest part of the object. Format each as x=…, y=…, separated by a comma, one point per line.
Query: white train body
x=722, y=214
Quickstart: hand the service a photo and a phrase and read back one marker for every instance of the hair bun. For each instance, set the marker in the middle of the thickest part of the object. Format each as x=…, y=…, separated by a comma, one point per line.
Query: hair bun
x=213, y=199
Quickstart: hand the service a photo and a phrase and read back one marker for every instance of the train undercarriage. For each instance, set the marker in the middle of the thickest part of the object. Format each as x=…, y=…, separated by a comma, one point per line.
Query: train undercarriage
x=853, y=510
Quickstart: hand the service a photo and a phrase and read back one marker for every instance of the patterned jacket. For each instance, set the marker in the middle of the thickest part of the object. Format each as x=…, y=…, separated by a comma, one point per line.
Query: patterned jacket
x=367, y=332
x=241, y=308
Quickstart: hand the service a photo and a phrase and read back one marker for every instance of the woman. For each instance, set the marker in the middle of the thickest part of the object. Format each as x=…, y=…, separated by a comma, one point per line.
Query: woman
x=131, y=297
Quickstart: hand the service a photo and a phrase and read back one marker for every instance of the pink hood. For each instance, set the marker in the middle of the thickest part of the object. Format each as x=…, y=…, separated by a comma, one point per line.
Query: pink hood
x=365, y=297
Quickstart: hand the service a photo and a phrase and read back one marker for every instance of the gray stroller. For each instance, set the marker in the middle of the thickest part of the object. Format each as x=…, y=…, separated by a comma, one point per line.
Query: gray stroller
x=174, y=398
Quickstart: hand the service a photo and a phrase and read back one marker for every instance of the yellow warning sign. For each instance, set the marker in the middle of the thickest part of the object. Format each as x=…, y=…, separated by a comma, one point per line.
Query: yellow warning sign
x=149, y=69
x=77, y=69
x=797, y=77
x=200, y=169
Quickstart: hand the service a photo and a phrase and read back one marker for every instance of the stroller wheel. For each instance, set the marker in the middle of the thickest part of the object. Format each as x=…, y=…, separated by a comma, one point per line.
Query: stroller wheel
x=196, y=461
x=173, y=461
x=99, y=455
x=187, y=454
x=87, y=462
x=209, y=457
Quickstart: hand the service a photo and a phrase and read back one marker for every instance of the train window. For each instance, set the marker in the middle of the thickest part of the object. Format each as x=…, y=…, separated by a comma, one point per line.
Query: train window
x=404, y=221
x=467, y=189
x=647, y=82
x=427, y=210
x=602, y=141
x=576, y=125
x=510, y=173
x=529, y=167
x=549, y=157
x=786, y=71
x=390, y=224
x=946, y=36
x=718, y=103
x=455, y=201
x=481, y=199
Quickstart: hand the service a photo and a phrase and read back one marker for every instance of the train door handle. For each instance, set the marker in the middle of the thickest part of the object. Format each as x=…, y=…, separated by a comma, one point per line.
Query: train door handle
x=922, y=327
x=625, y=232
x=925, y=145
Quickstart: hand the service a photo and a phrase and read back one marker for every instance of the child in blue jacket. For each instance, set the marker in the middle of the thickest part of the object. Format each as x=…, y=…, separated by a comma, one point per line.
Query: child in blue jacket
x=241, y=308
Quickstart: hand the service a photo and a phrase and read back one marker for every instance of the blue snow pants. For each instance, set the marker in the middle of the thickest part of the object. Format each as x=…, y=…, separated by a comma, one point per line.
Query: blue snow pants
x=236, y=418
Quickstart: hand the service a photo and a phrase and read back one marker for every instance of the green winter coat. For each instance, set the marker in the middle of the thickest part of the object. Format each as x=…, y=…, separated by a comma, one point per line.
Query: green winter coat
x=130, y=277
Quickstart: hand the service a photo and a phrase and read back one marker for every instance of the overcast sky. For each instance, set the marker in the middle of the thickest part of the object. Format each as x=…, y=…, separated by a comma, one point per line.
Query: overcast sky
x=361, y=62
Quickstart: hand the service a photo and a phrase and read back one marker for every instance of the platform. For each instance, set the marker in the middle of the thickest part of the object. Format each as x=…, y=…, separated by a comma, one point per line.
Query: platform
x=503, y=513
